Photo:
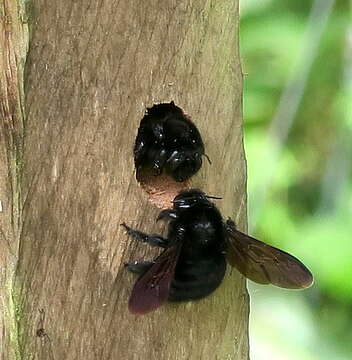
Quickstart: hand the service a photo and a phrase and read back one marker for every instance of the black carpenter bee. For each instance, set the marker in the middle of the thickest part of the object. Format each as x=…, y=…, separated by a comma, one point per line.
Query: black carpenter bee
x=168, y=140
x=193, y=263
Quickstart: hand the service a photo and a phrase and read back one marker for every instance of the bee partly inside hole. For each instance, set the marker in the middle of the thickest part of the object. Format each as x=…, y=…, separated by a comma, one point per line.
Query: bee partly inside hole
x=168, y=151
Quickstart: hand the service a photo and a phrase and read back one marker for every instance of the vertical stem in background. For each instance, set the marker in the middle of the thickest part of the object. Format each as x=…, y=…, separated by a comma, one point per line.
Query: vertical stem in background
x=288, y=105
x=338, y=166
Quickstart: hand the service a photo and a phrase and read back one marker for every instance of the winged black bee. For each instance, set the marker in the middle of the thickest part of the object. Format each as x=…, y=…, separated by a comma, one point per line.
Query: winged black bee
x=168, y=141
x=197, y=246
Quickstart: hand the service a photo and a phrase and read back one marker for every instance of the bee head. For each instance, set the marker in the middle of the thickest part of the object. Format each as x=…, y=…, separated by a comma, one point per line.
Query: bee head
x=182, y=165
x=189, y=198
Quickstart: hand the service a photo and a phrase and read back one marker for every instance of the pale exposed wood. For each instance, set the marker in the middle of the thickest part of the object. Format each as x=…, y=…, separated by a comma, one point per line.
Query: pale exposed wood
x=92, y=69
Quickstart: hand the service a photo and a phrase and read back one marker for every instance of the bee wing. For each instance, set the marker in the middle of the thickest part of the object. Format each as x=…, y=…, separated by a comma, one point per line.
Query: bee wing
x=152, y=288
x=265, y=264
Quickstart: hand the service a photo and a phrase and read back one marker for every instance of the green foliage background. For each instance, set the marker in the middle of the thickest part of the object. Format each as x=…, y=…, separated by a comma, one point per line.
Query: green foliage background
x=297, y=64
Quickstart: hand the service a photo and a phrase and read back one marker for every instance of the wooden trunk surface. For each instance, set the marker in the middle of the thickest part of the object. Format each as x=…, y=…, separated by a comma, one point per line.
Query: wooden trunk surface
x=68, y=179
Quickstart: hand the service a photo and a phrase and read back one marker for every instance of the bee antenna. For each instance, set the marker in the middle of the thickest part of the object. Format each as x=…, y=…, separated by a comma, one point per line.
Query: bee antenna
x=207, y=158
x=213, y=197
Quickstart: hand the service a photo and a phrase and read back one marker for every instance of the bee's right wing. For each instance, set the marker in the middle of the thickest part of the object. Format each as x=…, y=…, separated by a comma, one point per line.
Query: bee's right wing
x=263, y=263
x=152, y=288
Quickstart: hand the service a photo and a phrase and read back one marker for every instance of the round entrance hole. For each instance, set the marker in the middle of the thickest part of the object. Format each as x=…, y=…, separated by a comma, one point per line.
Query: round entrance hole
x=168, y=152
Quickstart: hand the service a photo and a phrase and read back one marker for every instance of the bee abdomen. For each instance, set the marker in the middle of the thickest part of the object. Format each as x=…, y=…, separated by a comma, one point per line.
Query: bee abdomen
x=194, y=280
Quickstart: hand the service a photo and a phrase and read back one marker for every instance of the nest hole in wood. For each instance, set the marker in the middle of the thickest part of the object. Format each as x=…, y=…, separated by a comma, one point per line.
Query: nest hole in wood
x=159, y=184
x=161, y=189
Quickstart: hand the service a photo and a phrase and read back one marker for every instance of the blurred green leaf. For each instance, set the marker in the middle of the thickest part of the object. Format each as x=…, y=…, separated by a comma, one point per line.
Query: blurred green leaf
x=307, y=208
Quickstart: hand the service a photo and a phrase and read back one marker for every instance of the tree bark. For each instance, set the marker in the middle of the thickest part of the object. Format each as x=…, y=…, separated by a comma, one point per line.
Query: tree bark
x=68, y=179
x=13, y=50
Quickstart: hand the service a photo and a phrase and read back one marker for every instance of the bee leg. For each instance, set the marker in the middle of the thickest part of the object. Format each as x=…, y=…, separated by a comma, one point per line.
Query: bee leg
x=230, y=224
x=159, y=162
x=140, y=149
x=139, y=267
x=153, y=239
x=167, y=214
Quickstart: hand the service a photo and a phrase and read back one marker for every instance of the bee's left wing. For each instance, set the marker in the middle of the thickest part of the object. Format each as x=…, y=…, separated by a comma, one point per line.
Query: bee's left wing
x=152, y=288
x=265, y=264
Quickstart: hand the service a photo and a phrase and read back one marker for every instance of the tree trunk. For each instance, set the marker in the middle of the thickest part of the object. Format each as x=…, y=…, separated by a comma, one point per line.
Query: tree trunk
x=68, y=180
